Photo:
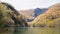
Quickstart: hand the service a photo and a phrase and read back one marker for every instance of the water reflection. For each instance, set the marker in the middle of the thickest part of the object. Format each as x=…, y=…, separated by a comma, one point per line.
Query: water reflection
x=35, y=30
x=32, y=30
x=20, y=30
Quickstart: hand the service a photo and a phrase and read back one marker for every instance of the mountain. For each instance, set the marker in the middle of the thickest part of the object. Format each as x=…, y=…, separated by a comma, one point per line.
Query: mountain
x=31, y=14
x=51, y=18
x=10, y=16
x=39, y=11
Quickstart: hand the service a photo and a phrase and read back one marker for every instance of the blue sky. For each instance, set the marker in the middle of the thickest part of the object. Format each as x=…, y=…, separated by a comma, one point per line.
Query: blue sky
x=31, y=4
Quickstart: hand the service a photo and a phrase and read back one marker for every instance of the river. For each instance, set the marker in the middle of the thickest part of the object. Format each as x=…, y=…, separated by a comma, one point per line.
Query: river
x=32, y=30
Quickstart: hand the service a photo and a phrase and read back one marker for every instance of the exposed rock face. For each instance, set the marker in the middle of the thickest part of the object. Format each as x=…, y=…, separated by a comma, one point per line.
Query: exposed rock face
x=50, y=18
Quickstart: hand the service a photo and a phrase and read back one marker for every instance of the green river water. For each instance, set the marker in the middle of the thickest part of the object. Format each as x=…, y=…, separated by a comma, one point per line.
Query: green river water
x=32, y=30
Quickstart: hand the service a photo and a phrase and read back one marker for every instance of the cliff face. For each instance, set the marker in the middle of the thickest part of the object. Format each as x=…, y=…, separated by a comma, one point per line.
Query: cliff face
x=9, y=15
x=50, y=18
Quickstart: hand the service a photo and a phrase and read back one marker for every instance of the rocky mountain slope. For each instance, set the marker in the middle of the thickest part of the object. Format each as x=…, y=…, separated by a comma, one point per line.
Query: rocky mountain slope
x=51, y=18
x=31, y=14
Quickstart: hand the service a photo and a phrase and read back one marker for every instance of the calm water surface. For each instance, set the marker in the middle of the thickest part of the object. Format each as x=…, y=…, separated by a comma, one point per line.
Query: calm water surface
x=32, y=30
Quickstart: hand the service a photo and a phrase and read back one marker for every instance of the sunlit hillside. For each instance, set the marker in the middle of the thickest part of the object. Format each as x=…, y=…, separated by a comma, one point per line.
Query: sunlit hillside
x=50, y=18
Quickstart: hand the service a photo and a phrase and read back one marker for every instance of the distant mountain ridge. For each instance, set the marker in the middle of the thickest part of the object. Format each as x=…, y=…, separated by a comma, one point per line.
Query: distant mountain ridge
x=32, y=13
x=39, y=11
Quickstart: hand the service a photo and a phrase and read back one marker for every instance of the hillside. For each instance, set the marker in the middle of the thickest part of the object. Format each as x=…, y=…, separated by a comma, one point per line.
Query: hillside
x=10, y=16
x=31, y=14
x=50, y=18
